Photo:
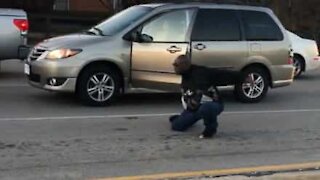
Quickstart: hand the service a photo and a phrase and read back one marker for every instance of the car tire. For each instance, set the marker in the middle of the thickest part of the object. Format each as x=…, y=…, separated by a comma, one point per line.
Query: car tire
x=98, y=86
x=298, y=63
x=252, y=86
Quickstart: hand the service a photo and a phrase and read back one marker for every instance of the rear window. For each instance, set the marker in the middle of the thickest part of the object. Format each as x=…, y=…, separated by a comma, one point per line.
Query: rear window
x=259, y=26
x=216, y=25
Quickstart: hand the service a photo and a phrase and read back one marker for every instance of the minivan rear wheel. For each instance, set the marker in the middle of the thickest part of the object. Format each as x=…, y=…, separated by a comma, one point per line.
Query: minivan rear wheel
x=252, y=86
x=98, y=86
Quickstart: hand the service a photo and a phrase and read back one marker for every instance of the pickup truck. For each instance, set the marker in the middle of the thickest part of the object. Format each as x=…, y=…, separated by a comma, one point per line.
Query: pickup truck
x=14, y=28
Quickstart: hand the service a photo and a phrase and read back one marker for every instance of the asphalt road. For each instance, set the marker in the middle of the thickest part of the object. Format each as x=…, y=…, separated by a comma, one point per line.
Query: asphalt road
x=46, y=135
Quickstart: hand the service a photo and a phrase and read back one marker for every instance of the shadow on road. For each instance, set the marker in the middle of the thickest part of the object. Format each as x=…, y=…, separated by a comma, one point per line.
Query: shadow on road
x=69, y=99
x=308, y=77
x=11, y=76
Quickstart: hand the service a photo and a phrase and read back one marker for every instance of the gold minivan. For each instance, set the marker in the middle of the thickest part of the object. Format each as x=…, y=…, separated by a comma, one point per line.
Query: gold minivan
x=136, y=48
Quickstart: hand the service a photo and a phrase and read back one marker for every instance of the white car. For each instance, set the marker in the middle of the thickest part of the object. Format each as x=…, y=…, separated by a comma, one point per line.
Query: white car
x=306, y=54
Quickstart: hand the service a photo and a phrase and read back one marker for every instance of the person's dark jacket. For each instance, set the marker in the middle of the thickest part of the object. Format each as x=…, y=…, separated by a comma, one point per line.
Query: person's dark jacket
x=199, y=82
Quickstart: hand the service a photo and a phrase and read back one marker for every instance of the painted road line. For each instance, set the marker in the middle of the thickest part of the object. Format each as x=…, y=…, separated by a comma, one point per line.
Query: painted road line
x=222, y=172
x=272, y=111
x=150, y=115
x=83, y=117
x=13, y=85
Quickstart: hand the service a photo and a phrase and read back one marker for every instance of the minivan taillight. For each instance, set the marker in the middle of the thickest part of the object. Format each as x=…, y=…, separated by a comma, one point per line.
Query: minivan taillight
x=21, y=24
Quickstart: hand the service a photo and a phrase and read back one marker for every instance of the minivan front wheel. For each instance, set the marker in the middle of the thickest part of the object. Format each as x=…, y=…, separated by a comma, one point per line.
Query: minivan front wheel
x=298, y=63
x=98, y=86
x=252, y=86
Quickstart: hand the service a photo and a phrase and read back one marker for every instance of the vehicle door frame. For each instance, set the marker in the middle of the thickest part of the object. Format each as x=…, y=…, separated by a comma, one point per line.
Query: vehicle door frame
x=139, y=26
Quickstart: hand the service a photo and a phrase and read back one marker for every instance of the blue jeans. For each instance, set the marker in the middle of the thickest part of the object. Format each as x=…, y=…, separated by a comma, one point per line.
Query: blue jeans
x=208, y=111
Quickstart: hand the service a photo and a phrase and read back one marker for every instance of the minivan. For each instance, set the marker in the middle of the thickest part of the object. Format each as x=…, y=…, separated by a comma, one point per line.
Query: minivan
x=136, y=48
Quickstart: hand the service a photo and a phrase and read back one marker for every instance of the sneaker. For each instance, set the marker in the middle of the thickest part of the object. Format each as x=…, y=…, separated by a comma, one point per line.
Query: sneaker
x=173, y=117
x=206, y=134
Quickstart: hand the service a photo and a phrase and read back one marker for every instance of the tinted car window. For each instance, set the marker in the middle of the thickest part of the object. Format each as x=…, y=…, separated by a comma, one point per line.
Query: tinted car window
x=169, y=27
x=259, y=26
x=216, y=25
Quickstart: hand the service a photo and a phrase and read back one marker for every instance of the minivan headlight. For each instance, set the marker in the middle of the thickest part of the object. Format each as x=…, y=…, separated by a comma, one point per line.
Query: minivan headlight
x=62, y=53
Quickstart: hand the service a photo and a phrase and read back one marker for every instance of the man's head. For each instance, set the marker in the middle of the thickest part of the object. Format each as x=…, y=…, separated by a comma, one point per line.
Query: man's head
x=182, y=64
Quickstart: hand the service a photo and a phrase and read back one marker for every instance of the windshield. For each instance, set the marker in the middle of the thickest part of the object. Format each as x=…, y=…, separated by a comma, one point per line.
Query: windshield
x=120, y=21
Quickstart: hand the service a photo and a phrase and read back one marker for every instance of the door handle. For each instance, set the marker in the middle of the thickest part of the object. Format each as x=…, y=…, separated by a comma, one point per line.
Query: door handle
x=200, y=46
x=174, y=49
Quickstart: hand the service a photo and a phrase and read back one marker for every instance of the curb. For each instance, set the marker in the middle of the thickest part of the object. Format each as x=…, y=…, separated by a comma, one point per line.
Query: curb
x=225, y=172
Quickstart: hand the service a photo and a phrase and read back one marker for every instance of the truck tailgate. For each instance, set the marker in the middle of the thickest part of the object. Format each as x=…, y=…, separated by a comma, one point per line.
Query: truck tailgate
x=11, y=38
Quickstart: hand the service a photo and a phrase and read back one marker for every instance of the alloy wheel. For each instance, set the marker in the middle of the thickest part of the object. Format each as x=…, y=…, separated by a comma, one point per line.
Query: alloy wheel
x=253, y=86
x=298, y=67
x=100, y=87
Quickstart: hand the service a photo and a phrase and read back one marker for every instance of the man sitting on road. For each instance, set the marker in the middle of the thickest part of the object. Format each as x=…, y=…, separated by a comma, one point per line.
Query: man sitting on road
x=200, y=96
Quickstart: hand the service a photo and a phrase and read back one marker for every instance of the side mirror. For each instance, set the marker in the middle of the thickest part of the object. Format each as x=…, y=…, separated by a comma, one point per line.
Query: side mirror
x=144, y=38
x=138, y=37
x=130, y=36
